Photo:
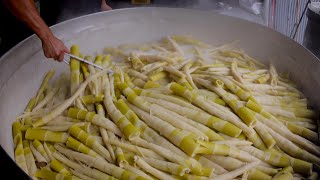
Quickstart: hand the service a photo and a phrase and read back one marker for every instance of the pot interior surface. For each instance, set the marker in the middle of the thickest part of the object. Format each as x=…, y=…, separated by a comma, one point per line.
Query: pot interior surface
x=23, y=67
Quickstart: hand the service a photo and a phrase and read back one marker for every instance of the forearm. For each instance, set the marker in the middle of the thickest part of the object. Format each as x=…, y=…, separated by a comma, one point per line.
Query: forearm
x=26, y=11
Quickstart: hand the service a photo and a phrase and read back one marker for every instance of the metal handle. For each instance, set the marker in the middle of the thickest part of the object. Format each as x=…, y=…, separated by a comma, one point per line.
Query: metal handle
x=83, y=60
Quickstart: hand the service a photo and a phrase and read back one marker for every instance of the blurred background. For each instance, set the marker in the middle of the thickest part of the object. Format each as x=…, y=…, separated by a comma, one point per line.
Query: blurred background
x=288, y=17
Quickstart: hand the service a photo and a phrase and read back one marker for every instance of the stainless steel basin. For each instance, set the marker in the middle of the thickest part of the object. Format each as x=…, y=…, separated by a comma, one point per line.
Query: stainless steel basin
x=23, y=67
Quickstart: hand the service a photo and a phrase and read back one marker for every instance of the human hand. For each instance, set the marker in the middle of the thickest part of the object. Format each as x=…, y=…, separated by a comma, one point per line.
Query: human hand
x=54, y=48
x=105, y=6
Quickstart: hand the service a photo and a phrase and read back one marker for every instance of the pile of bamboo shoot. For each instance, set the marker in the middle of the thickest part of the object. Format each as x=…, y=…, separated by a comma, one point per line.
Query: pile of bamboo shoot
x=177, y=108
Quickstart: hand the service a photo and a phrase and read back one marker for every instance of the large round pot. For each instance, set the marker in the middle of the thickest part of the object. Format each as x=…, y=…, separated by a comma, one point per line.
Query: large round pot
x=23, y=67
